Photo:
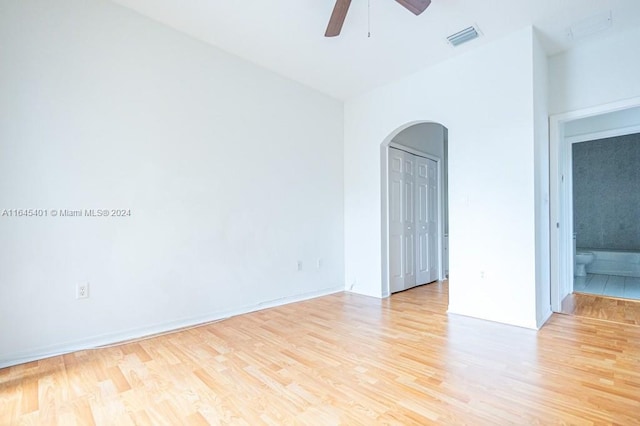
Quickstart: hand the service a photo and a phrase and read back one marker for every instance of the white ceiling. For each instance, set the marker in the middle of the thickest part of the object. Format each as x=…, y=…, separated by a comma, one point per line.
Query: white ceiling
x=287, y=36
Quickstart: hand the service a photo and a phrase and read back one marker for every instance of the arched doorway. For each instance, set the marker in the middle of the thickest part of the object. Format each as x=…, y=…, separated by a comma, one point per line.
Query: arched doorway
x=422, y=145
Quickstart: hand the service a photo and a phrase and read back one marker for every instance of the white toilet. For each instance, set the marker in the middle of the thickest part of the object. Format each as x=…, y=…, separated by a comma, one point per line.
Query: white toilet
x=583, y=258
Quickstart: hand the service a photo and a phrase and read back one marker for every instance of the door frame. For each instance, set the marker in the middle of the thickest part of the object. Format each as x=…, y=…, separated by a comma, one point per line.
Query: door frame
x=561, y=196
x=385, y=208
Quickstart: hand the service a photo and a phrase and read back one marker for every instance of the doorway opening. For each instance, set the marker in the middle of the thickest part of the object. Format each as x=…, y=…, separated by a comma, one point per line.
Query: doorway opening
x=414, y=210
x=606, y=208
x=598, y=123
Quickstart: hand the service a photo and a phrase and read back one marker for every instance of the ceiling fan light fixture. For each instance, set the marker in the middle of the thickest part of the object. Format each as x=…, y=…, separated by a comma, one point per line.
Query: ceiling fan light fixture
x=463, y=36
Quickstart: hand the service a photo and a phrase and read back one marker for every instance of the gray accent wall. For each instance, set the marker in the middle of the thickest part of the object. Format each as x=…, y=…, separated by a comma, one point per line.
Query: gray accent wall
x=606, y=193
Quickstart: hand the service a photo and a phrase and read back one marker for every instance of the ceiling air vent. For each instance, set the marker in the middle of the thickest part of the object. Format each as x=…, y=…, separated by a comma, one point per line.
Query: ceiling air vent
x=589, y=26
x=463, y=36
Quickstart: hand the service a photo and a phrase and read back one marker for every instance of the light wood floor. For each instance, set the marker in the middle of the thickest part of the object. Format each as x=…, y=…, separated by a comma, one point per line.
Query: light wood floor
x=343, y=359
x=606, y=308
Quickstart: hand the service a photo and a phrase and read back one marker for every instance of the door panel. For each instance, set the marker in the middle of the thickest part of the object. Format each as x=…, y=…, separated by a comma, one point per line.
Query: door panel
x=408, y=207
x=396, y=222
x=413, y=208
x=432, y=219
x=409, y=261
x=422, y=223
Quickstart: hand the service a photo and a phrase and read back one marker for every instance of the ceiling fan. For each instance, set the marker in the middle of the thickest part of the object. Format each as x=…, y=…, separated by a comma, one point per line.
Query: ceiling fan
x=342, y=6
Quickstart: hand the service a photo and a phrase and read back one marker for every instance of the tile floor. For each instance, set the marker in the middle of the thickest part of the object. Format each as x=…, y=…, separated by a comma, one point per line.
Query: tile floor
x=608, y=285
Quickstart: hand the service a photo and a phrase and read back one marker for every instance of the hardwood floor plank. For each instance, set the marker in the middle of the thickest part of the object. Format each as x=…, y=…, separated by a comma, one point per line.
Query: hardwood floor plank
x=82, y=412
x=602, y=307
x=196, y=419
x=29, y=395
x=348, y=359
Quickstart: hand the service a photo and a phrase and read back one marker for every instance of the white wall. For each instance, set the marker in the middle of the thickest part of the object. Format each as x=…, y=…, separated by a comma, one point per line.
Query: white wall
x=485, y=98
x=598, y=72
x=541, y=153
x=232, y=175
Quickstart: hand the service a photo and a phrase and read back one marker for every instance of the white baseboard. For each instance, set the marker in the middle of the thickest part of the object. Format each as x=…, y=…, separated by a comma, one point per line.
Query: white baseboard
x=452, y=310
x=138, y=333
x=356, y=290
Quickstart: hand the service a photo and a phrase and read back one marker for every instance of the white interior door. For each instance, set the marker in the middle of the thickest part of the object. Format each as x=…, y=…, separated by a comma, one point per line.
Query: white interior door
x=427, y=220
x=409, y=220
x=413, y=220
x=396, y=225
x=432, y=221
x=422, y=222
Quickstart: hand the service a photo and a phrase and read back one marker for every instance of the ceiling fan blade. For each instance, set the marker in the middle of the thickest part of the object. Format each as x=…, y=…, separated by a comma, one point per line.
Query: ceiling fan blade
x=415, y=6
x=337, y=18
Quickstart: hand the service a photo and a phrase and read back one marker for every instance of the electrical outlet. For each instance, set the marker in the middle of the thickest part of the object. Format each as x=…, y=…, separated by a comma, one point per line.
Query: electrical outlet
x=82, y=291
x=299, y=265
